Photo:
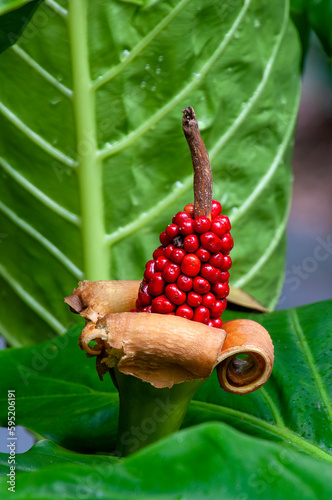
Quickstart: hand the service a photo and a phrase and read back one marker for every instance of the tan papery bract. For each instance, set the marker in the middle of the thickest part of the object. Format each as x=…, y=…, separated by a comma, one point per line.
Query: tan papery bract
x=95, y=299
x=248, y=373
x=166, y=350
x=157, y=348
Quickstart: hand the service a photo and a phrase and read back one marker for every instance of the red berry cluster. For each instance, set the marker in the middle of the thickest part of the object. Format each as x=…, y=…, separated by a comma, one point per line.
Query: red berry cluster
x=188, y=275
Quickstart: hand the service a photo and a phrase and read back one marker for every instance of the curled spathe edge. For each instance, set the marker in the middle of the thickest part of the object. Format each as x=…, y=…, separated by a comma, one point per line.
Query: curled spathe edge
x=163, y=349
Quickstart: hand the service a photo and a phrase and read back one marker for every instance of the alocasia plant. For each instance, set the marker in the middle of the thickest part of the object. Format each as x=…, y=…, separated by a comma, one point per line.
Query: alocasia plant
x=93, y=162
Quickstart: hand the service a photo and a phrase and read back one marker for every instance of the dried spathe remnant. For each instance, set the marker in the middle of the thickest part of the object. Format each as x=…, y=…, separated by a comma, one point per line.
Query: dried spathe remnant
x=166, y=350
x=162, y=350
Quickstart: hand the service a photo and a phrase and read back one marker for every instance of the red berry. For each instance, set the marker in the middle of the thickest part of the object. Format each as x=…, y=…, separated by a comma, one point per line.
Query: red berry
x=156, y=284
x=216, y=209
x=202, y=224
x=185, y=311
x=158, y=252
x=179, y=217
x=164, y=240
x=226, y=243
x=211, y=242
x=171, y=272
x=215, y=323
x=194, y=299
x=212, y=274
x=174, y=294
x=185, y=283
x=186, y=227
x=201, y=314
x=191, y=243
x=168, y=251
x=190, y=209
x=226, y=264
x=147, y=309
x=149, y=269
x=220, y=290
x=191, y=265
x=224, y=276
x=172, y=230
x=201, y=285
x=143, y=295
x=162, y=305
x=208, y=300
x=203, y=254
x=138, y=304
x=161, y=263
x=220, y=225
x=177, y=255
x=218, y=308
x=216, y=259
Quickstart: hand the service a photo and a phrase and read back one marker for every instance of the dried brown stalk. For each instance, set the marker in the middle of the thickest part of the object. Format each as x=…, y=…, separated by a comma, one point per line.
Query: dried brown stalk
x=201, y=164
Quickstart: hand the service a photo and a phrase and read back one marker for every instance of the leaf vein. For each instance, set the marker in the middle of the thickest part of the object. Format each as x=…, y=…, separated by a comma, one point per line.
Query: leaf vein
x=311, y=362
x=38, y=194
x=39, y=69
x=36, y=138
x=56, y=252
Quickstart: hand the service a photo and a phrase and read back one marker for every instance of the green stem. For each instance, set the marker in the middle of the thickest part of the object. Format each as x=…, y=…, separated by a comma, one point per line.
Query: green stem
x=95, y=251
x=148, y=414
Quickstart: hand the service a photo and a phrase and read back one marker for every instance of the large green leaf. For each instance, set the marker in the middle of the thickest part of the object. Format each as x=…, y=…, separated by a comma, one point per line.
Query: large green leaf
x=209, y=461
x=14, y=18
x=287, y=422
x=316, y=15
x=93, y=158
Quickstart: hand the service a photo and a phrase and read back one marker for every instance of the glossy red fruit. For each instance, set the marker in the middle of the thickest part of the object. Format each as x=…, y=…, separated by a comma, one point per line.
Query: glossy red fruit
x=194, y=299
x=162, y=305
x=216, y=259
x=186, y=227
x=227, y=243
x=220, y=226
x=216, y=209
x=191, y=265
x=158, y=252
x=226, y=264
x=171, y=272
x=201, y=314
x=218, y=308
x=215, y=322
x=149, y=269
x=138, y=304
x=211, y=242
x=185, y=283
x=203, y=254
x=156, y=284
x=208, y=300
x=224, y=276
x=202, y=224
x=143, y=295
x=177, y=255
x=191, y=243
x=146, y=309
x=190, y=209
x=161, y=263
x=201, y=285
x=174, y=294
x=179, y=217
x=168, y=250
x=164, y=240
x=185, y=311
x=212, y=274
x=220, y=290
x=172, y=230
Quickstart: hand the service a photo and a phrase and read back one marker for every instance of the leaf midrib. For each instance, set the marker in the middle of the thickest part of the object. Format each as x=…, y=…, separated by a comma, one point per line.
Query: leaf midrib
x=282, y=432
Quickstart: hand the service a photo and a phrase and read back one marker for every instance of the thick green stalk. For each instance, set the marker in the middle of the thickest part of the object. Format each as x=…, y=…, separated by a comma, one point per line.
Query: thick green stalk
x=95, y=251
x=147, y=413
